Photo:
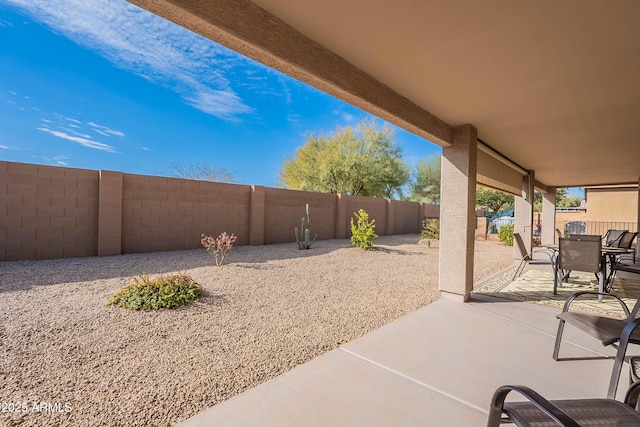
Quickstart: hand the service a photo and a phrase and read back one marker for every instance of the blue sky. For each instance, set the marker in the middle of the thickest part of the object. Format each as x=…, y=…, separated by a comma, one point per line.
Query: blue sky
x=106, y=85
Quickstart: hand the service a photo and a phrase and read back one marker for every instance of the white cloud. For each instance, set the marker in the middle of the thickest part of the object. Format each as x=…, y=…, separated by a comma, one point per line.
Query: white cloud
x=60, y=159
x=149, y=46
x=103, y=130
x=218, y=103
x=4, y=147
x=75, y=132
x=348, y=117
x=82, y=141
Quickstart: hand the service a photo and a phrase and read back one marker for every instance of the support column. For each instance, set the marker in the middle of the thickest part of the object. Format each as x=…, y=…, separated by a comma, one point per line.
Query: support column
x=256, y=216
x=523, y=214
x=457, y=214
x=549, y=216
x=110, y=214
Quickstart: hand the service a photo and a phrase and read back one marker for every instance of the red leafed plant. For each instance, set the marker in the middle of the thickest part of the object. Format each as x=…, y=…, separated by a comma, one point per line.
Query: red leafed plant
x=218, y=246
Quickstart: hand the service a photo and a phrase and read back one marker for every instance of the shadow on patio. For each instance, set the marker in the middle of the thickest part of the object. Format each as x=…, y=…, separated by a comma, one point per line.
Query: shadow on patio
x=436, y=366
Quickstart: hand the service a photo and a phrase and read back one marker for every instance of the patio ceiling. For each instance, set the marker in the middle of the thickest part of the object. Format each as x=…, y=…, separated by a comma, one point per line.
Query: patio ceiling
x=553, y=86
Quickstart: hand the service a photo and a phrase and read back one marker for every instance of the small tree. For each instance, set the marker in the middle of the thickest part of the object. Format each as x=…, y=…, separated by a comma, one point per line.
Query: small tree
x=426, y=187
x=363, y=234
x=492, y=199
x=359, y=161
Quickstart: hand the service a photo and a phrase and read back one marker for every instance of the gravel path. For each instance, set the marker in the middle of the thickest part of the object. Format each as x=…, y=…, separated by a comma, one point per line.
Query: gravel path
x=269, y=309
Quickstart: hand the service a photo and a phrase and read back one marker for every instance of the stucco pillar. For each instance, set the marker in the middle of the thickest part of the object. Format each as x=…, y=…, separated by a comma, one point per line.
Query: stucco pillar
x=549, y=216
x=523, y=214
x=457, y=214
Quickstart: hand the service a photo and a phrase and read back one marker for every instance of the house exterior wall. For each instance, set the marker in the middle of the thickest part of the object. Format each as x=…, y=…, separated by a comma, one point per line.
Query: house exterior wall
x=612, y=205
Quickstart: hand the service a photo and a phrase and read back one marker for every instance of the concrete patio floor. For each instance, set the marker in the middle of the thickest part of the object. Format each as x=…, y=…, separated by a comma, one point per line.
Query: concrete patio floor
x=437, y=366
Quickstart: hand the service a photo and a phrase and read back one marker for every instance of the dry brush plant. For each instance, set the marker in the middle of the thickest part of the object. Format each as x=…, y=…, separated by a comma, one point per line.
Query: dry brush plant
x=218, y=246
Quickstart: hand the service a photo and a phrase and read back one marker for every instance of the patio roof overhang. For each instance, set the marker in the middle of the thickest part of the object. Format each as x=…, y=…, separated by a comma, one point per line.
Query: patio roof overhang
x=552, y=86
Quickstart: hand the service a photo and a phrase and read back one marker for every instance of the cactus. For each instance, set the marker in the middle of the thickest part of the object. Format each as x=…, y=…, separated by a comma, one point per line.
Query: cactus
x=307, y=242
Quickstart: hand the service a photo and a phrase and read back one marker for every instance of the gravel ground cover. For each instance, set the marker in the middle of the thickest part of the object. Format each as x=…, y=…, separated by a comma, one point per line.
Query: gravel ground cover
x=68, y=359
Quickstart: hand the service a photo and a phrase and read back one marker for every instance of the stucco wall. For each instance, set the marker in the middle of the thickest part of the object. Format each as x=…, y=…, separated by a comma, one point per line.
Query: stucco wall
x=612, y=205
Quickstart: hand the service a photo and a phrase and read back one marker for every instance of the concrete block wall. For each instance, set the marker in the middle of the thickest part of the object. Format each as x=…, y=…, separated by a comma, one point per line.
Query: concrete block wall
x=160, y=214
x=56, y=212
x=407, y=217
x=376, y=208
x=47, y=212
x=430, y=211
x=285, y=208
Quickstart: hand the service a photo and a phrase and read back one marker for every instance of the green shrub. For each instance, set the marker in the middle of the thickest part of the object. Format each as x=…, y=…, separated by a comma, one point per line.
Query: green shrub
x=162, y=292
x=430, y=229
x=363, y=234
x=506, y=234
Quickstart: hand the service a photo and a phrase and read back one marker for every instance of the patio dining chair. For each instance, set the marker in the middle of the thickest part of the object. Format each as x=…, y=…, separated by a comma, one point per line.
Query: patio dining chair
x=540, y=412
x=612, y=237
x=629, y=262
x=608, y=330
x=527, y=257
x=579, y=253
x=626, y=240
x=623, y=261
x=559, y=234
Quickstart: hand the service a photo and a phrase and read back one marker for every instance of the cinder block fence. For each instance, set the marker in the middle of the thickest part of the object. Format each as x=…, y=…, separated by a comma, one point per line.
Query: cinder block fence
x=55, y=212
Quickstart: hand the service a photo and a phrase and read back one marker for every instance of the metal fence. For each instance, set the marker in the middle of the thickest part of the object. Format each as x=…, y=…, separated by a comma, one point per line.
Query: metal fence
x=594, y=227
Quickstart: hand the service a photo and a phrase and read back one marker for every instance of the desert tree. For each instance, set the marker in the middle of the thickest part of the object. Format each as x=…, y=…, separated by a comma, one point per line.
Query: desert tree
x=361, y=160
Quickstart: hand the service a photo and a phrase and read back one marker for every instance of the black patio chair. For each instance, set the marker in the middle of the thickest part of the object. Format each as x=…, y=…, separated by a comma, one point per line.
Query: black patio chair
x=629, y=262
x=624, y=261
x=607, y=330
x=527, y=257
x=626, y=240
x=612, y=237
x=559, y=234
x=540, y=412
